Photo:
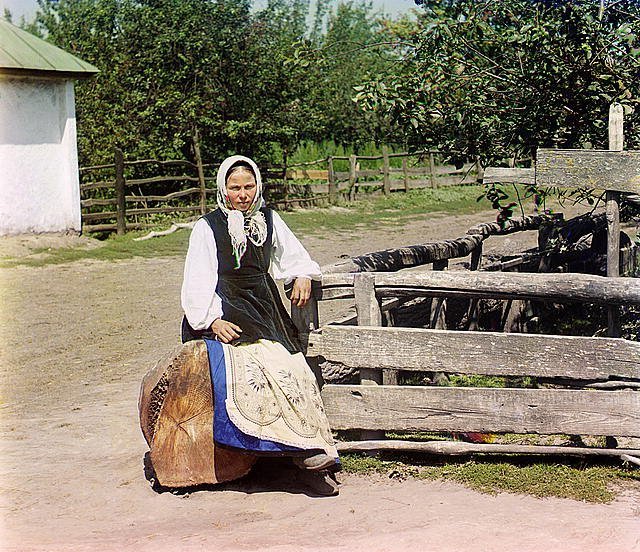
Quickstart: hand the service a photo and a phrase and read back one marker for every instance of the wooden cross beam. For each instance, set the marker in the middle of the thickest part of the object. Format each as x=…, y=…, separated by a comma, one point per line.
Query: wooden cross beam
x=613, y=170
x=617, y=171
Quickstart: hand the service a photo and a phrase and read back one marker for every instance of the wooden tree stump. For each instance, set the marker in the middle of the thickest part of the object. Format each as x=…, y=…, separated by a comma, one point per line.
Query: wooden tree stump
x=176, y=417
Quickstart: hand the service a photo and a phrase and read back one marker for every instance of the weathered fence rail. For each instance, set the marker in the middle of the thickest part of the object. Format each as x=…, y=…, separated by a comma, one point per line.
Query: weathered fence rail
x=384, y=177
x=576, y=363
x=110, y=202
x=580, y=385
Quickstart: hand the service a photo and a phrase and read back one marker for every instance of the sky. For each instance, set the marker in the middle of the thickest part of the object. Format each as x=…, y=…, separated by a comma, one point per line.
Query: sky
x=27, y=8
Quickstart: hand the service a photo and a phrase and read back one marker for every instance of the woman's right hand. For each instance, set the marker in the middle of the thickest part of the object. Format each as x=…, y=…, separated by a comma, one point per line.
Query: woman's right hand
x=225, y=331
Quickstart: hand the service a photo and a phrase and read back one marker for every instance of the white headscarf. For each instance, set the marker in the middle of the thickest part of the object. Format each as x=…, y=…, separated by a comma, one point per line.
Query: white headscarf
x=250, y=224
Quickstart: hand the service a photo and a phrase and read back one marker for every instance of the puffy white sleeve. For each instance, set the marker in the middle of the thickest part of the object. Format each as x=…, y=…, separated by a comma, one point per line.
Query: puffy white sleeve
x=200, y=302
x=289, y=258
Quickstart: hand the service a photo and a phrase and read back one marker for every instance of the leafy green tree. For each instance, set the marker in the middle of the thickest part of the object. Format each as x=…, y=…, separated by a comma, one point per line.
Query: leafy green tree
x=353, y=50
x=499, y=79
x=273, y=114
x=169, y=68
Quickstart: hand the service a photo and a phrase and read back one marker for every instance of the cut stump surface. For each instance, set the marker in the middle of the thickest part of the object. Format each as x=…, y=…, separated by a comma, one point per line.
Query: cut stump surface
x=176, y=418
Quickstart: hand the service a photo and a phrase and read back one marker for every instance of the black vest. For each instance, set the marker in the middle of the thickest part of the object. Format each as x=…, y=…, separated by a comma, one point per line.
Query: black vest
x=250, y=297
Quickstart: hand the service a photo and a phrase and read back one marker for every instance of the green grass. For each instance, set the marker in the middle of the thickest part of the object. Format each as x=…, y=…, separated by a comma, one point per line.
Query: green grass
x=113, y=248
x=394, y=209
x=591, y=484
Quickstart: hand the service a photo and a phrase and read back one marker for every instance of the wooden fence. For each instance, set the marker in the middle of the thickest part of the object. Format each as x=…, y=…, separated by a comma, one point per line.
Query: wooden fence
x=122, y=195
x=127, y=209
x=591, y=385
x=185, y=187
x=417, y=170
x=595, y=381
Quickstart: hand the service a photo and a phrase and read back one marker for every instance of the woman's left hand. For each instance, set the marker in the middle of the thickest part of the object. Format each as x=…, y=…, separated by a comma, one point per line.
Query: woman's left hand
x=301, y=292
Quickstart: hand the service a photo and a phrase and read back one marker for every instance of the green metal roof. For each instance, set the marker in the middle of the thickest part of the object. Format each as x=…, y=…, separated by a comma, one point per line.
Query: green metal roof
x=22, y=53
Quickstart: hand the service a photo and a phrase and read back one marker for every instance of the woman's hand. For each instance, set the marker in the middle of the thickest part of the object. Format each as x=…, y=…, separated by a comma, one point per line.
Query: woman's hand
x=225, y=331
x=301, y=292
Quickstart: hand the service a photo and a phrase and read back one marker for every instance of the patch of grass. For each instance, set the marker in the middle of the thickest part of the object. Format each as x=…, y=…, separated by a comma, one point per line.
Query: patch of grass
x=591, y=484
x=394, y=209
x=113, y=248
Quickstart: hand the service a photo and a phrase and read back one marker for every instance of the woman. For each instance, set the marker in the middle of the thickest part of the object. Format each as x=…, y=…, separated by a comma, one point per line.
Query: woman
x=266, y=398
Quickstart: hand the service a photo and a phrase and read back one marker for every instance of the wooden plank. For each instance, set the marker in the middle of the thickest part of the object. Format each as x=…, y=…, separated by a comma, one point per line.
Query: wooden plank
x=167, y=163
x=544, y=411
x=503, y=174
x=385, y=170
x=331, y=178
x=487, y=353
x=353, y=177
x=172, y=195
x=307, y=174
x=603, y=170
x=458, y=448
x=95, y=167
x=161, y=179
x=616, y=127
x=141, y=198
x=98, y=202
x=130, y=212
x=616, y=142
x=121, y=205
x=96, y=185
x=368, y=313
x=561, y=287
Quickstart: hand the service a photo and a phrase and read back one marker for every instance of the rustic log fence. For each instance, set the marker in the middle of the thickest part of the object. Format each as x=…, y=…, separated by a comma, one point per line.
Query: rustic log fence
x=123, y=195
x=417, y=170
x=599, y=377
x=189, y=194
x=587, y=385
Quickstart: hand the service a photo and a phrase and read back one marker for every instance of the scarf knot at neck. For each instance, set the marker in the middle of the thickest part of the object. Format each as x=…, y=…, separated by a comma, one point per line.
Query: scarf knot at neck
x=241, y=227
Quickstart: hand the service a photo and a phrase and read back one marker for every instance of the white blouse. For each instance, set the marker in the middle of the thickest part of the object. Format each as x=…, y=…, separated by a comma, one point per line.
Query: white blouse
x=201, y=303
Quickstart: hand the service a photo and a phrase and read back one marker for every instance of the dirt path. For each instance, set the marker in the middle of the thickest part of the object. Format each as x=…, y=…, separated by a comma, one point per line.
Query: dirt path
x=75, y=341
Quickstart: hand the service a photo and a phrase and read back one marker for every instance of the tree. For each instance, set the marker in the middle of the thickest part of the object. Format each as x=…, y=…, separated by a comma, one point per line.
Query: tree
x=499, y=79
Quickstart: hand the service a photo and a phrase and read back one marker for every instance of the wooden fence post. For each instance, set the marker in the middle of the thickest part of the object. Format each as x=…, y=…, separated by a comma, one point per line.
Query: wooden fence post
x=438, y=304
x=616, y=143
x=352, y=176
x=432, y=171
x=121, y=207
x=201, y=180
x=369, y=314
x=285, y=184
x=385, y=171
x=333, y=189
x=305, y=320
x=405, y=174
x=472, y=313
x=479, y=170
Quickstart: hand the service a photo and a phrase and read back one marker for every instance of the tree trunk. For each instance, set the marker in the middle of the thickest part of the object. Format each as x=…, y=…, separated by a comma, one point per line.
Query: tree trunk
x=176, y=417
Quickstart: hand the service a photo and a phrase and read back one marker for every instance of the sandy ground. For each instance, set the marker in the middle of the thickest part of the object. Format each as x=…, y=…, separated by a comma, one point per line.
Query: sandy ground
x=76, y=340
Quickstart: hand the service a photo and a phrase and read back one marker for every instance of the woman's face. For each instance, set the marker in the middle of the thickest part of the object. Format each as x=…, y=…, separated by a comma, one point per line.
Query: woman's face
x=241, y=189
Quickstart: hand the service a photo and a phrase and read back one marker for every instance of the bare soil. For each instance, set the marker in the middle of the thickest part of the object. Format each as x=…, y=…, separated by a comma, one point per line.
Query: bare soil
x=76, y=340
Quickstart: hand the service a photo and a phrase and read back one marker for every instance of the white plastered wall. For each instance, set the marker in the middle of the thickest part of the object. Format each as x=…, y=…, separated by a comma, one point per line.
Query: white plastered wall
x=39, y=188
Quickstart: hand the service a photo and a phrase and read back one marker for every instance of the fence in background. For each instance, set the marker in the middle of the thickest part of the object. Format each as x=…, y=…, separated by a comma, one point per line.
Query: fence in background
x=124, y=195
